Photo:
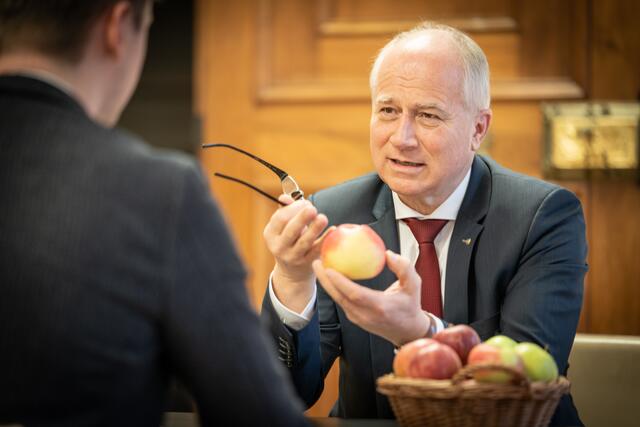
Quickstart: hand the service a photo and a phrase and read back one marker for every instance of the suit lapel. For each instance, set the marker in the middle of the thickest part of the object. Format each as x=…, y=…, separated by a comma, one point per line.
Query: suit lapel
x=386, y=227
x=463, y=241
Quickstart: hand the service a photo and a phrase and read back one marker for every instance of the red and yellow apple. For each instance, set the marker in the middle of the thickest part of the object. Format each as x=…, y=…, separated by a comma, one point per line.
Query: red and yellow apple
x=461, y=338
x=353, y=250
x=434, y=361
x=426, y=358
x=487, y=354
x=538, y=363
x=406, y=354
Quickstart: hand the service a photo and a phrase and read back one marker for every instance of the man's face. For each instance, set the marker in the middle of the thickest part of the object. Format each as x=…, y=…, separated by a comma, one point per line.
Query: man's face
x=422, y=135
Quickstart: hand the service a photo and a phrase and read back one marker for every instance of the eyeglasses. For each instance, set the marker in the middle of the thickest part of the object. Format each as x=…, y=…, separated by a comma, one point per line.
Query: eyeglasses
x=289, y=185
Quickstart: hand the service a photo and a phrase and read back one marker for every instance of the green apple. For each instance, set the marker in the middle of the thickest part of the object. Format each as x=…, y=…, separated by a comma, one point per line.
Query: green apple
x=538, y=364
x=501, y=341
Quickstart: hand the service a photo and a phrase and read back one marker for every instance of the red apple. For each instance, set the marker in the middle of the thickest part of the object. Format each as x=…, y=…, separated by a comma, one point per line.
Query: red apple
x=461, y=338
x=353, y=250
x=406, y=354
x=487, y=354
x=435, y=361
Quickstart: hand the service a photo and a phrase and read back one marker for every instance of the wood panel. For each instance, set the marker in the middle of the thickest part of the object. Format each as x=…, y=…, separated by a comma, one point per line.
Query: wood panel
x=614, y=293
x=288, y=80
x=224, y=76
x=354, y=10
x=337, y=40
x=615, y=50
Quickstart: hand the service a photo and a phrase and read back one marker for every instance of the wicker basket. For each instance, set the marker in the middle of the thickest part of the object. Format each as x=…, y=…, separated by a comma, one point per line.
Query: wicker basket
x=462, y=402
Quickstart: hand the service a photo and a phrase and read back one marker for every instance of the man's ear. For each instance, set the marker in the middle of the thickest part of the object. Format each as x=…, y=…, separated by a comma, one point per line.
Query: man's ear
x=116, y=21
x=480, y=128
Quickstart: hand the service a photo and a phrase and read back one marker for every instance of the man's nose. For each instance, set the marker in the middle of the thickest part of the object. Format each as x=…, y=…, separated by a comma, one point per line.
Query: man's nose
x=404, y=135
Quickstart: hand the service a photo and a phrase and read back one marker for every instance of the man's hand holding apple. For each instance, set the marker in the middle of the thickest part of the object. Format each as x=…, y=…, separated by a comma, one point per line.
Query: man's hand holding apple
x=394, y=314
x=293, y=237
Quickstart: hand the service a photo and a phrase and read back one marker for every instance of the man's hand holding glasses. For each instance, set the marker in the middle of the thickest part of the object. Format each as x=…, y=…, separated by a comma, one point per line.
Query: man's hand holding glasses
x=293, y=235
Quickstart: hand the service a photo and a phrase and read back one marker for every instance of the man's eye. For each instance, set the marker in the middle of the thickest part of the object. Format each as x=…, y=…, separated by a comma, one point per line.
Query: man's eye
x=387, y=110
x=428, y=116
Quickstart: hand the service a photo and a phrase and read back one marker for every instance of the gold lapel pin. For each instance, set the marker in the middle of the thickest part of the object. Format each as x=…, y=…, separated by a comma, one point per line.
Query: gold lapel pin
x=466, y=241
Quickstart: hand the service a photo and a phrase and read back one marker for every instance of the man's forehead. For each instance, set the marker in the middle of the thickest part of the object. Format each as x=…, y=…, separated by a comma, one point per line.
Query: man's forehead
x=419, y=77
x=411, y=67
x=386, y=99
x=412, y=61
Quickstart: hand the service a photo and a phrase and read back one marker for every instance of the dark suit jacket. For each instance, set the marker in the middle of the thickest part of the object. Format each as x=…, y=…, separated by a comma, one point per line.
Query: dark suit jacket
x=117, y=272
x=522, y=276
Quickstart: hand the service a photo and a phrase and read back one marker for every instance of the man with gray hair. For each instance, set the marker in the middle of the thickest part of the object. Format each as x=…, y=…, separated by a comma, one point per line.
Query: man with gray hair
x=502, y=252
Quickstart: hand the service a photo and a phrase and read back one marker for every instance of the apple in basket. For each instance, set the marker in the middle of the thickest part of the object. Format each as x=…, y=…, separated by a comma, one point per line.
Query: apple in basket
x=353, y=250
x=538, y=363
x=461, y=338
x=427, y=358
x=501, y=341
x=486, y=353
x=406, y=354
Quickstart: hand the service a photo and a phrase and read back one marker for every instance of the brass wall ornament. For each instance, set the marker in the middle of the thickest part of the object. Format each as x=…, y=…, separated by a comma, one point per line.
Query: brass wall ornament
x=587, y=137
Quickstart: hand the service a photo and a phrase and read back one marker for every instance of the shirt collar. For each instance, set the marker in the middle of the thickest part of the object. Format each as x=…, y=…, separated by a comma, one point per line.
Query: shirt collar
x=447, y=210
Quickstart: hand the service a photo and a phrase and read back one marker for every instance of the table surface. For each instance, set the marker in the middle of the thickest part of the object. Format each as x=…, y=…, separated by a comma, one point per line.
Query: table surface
x=340, y=422
x=188, y=419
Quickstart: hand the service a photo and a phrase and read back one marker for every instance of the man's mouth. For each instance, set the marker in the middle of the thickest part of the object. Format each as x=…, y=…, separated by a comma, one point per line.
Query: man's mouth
x=405, y=163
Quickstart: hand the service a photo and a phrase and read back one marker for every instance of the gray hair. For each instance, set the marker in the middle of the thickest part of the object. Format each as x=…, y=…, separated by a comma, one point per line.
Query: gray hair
x=474, y=62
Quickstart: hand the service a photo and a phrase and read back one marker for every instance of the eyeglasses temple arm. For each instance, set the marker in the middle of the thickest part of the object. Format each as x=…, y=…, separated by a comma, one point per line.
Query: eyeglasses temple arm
x=281, y=174
x=239, y=181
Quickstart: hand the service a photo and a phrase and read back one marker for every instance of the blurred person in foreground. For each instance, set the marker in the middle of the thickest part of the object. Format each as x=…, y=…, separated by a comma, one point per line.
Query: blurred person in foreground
x=116, y=268
x=510, y=249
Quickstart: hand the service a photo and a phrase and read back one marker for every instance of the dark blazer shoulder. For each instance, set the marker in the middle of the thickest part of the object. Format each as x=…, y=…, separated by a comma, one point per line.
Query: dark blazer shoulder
x=506, y=179
x=510, y=188
x=162, y=172
x=351, y=201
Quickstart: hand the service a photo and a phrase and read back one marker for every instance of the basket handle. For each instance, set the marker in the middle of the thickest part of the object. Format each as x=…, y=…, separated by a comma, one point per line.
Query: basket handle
x=468, y=371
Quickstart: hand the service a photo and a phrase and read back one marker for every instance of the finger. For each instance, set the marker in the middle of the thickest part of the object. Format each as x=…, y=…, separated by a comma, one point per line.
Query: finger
x=407, y=275
x=283, y=216
x=316, y=247
x=321, y=274
x=292, y=232
x=355, y=293
x=310, y=234
x=286, y=199
x=326, y=232
x=346, y=289
x=352, y=311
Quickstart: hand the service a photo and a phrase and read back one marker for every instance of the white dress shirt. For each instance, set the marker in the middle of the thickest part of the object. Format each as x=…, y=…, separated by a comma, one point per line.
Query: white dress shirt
x=408, y=248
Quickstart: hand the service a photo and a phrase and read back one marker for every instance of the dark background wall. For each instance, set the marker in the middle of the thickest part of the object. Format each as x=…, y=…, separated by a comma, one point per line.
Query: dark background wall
x=161, y=108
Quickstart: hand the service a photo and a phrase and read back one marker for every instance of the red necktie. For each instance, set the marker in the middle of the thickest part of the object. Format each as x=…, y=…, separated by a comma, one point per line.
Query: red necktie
x=425, y=231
